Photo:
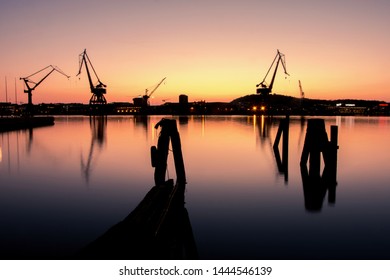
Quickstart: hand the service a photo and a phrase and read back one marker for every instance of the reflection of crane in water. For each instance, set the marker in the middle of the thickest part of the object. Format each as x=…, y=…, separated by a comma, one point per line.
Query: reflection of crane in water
x=264, y=125
x=98, y=128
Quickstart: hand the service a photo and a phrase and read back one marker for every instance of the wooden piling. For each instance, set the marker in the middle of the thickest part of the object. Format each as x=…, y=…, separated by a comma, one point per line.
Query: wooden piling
x=316, y=141
x=159, y=154
x=177, y=154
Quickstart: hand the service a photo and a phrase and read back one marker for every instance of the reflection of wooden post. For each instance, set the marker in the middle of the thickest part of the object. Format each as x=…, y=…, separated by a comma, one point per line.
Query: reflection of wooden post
x=160, y=154
x=282, y=163
x=314, y=190
x=315, y=185
x=330, y=171
x=286, y=125
x=333, y=147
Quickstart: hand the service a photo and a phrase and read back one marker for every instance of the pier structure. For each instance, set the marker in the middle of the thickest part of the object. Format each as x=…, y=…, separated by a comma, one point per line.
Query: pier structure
x=27, y=122
x=159, y=227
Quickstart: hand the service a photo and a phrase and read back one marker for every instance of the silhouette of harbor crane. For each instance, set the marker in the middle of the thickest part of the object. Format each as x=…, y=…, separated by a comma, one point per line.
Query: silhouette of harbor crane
x=144, y=100
x=31, y=85
x=265, y=89
x=97, y=91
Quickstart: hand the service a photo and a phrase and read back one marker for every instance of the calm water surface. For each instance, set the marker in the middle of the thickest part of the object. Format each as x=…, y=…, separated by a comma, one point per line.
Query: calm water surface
x=63, y=186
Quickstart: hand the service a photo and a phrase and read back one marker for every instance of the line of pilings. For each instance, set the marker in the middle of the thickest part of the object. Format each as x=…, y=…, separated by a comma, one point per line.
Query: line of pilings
x=315, y=184
x=317, y=143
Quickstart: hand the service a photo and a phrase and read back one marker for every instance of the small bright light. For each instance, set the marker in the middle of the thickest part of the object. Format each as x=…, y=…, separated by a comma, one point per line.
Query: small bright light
x=262, y=108
x=254, y=108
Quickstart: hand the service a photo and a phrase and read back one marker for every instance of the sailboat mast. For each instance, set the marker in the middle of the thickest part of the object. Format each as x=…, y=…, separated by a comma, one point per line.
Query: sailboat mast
x=16, y=95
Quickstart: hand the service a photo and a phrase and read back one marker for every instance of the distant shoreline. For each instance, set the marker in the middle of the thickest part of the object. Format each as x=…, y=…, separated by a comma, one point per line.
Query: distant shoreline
x=273, y=104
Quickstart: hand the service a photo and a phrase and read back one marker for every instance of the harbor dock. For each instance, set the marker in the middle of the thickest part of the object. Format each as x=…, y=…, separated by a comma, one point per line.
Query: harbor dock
x=16, y=123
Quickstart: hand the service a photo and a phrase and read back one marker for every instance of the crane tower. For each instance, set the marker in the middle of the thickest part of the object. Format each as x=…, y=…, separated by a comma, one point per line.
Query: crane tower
x=144, y=100
x=264, y=89
x=31, y=85
x=97, y=91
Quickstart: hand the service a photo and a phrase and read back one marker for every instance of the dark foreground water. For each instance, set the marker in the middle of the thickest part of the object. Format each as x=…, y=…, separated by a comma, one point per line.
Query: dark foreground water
x=63, y=186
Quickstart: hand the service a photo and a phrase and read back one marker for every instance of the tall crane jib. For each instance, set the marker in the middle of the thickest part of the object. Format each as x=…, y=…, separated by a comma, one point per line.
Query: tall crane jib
x=97, y=91
x=262, y=87
x=144, y=100
x=31, y=85
x=147, y=96
x=301, y=90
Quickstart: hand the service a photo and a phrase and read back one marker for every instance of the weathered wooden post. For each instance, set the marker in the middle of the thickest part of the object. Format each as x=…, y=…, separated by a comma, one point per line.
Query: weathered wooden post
x=177, y=154
x=159, y=155
x=316, y=142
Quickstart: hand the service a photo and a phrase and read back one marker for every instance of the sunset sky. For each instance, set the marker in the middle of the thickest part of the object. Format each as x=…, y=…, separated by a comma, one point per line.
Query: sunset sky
x=213, y=50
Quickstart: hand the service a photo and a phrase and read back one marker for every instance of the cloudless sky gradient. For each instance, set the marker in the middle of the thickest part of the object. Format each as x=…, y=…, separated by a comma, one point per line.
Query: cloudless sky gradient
x=213, y=50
